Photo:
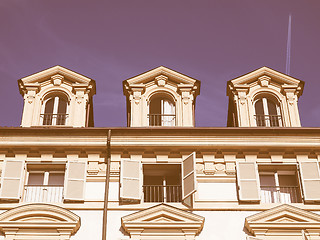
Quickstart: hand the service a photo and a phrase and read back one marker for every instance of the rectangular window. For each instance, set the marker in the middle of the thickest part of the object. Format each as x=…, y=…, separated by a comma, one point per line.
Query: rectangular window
x=162, y=183
x=44, y=183
x=279, y=184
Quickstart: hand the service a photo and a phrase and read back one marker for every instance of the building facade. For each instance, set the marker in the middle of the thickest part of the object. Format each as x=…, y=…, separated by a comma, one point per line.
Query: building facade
x=166, y=179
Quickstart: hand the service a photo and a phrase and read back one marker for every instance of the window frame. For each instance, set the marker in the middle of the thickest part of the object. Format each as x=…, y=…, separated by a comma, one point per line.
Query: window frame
x=264, y=99
x=164, y=185
x=173, y=116
x=56, y=96
x=46, y=176
x=276, y=173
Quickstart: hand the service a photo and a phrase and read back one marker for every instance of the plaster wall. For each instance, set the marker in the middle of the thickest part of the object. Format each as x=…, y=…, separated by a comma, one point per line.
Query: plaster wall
x=217, y=191
x=94, y=191
x=91, y=225
x=223, y=225
x=219, y=225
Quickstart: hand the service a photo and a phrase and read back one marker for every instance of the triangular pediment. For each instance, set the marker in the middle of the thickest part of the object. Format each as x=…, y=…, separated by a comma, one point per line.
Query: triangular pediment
x=163, y=212
x=285, y=211
x=46, y=74
x=163, y=217
x=285, y=216
x=173, y=76
x=275, y=77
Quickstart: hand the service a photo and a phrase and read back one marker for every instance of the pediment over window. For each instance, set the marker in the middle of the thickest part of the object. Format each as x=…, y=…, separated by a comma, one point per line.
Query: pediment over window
x=282, y=220
x=160, y=75
x=46, y=74
x=163, y=219
x=39, y=219
x=263, y=76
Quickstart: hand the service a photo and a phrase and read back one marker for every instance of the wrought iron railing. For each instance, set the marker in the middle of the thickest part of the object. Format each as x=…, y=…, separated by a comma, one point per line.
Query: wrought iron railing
x=43, y=193
x=160, y=193
x=162, y=119
x=54, y=119
x=274, y=194
x=268, y=120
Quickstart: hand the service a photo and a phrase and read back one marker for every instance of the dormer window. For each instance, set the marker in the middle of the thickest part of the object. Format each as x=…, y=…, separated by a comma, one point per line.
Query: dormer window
x=54, y=110
x=162, y=112
x=267, y=112
x=264, y=98
x=161, y=97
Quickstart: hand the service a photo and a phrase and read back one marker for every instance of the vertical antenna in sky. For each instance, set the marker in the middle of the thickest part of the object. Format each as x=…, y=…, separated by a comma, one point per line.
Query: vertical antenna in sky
x=288, y=47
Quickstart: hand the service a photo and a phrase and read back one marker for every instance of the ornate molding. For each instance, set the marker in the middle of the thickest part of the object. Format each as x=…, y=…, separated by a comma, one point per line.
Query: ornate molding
x=162, y=219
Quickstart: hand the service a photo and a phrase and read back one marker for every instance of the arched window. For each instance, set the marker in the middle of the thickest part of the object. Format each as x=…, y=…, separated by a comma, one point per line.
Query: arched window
x=162, y=112
x=54, y=111
x=267, y=112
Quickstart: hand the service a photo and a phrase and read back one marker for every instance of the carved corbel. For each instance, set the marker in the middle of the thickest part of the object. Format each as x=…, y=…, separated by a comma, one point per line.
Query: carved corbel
x=136, y=97
x=291, y=92
x=30, y=91
x=242, y=91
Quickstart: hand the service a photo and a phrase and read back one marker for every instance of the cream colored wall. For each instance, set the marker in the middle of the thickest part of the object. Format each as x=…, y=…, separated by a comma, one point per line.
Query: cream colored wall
x=217, y=191
x=91, y=225
x=223, y=225
x=94, y=191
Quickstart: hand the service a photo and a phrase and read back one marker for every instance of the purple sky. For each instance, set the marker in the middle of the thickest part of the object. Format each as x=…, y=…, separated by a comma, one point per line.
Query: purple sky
x=110, y=41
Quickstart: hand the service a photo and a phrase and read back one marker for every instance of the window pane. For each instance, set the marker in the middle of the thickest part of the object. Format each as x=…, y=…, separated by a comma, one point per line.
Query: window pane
x=267, y=180
x=35, y=178
x=49, y=106
x=62, y=108
x=272, y=108
x=259, y=107
x=56, y=179
x=155, y=106
x=287, y=180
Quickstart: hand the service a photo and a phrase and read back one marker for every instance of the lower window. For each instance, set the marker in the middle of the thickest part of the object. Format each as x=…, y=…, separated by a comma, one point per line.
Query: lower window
x=44, y=185
x=162, y=183
x=279, y=184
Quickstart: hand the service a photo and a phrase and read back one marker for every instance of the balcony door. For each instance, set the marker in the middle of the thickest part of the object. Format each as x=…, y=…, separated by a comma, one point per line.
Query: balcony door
x=279, y=187
x=162, y=183
x=44, y=186
x=55, y=111
x=267, y=113
x=162, y=112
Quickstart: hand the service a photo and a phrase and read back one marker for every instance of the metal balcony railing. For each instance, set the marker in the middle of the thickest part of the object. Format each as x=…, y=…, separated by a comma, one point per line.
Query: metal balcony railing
x=54, y=119
x=268, y=120
x=42, y=193
x=162, y=119
x=274, y=194
x=160, y=193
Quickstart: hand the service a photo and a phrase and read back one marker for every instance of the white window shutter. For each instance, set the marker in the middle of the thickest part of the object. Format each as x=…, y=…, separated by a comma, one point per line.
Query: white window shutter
x=75, y=180
x=130, y=180
x=310, y=176
x=12, y=179
x=248, y=181
x=188, y=177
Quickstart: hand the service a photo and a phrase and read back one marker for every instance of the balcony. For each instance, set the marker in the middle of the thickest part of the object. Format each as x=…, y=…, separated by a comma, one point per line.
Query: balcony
x=268, y=120
x=162, y=120
x=43, y=193
x=160, y=193
x=54, y=119
x=286, y=194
